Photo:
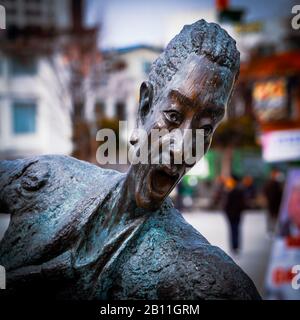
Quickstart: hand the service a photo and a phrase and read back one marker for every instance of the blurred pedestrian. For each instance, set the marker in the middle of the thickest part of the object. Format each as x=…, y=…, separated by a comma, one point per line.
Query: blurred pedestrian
x=233, y=207
x=273, y=193
x=250, y=192
x=218, y=193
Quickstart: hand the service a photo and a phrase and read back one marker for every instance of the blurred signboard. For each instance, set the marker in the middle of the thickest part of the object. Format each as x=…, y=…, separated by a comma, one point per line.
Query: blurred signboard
x=283, y=145
x=270, y=100
x=283, y=276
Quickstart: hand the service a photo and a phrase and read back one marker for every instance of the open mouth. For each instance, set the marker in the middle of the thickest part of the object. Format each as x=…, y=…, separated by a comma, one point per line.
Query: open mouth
x=161, y=181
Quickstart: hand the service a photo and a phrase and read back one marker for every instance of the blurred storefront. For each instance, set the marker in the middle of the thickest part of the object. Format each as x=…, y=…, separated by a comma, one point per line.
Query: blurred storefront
x=275, y=83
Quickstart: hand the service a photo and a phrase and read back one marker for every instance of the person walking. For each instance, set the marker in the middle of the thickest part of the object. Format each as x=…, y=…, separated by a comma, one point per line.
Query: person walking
x=233, y=207
x=273, y=193
x=250, y=192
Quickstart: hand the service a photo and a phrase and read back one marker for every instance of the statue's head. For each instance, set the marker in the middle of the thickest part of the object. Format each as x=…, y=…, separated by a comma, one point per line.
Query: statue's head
x=189, y=86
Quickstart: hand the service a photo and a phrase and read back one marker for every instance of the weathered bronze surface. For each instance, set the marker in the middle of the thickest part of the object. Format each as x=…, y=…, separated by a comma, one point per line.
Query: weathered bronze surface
x=78, y=231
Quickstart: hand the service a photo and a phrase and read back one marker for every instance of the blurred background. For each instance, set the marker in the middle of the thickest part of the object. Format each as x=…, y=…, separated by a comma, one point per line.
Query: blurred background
x=71, y=67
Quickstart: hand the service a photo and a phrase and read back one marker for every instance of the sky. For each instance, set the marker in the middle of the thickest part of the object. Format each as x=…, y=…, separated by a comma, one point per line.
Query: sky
x=130, y=22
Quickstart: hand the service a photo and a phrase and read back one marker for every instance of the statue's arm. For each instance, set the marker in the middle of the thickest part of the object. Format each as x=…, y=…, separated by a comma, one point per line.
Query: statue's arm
x=50, y=199
x=24, y=278
x=15, y=179
x=33, y=193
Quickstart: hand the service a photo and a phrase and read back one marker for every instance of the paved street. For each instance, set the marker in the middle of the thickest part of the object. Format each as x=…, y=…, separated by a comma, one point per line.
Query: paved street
x=256, y=245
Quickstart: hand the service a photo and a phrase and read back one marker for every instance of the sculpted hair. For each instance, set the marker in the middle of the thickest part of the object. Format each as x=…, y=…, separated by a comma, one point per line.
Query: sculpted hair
x=201, y=38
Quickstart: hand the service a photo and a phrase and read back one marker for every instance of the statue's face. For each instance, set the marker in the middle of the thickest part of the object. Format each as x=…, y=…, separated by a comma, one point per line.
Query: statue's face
x=195, y=98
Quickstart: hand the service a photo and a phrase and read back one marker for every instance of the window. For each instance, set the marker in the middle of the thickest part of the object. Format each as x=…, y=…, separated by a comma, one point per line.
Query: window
x=24, y=117
x=23, y=66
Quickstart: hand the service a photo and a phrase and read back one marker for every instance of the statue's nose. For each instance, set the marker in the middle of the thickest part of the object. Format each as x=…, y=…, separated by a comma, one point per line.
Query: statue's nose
x=183, y=150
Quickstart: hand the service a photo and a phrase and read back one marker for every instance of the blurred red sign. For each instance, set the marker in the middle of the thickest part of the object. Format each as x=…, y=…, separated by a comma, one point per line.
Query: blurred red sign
x=282, y=276
x=293, y=242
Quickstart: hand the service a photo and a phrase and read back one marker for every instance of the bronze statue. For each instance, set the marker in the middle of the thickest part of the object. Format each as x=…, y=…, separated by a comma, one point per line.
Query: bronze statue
x=78, y=231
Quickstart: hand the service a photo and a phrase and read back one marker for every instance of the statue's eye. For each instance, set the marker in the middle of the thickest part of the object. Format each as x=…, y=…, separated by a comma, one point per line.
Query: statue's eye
x=173, y=116
x=208, y=130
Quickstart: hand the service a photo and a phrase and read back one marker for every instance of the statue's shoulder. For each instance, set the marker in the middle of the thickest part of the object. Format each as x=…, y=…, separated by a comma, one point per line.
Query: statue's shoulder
x=51, y=180
x=172, y=260
x=40, y=169
x=50, y=198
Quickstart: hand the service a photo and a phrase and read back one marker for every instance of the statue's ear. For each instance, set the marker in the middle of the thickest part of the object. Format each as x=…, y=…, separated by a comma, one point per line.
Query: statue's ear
x=145, y=103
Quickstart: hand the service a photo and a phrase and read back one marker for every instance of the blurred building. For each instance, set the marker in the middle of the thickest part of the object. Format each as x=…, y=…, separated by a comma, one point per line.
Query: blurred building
x=42, y=13
x=45, y=59
x=124, y=71
x=35, y=112
x=116, y=94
